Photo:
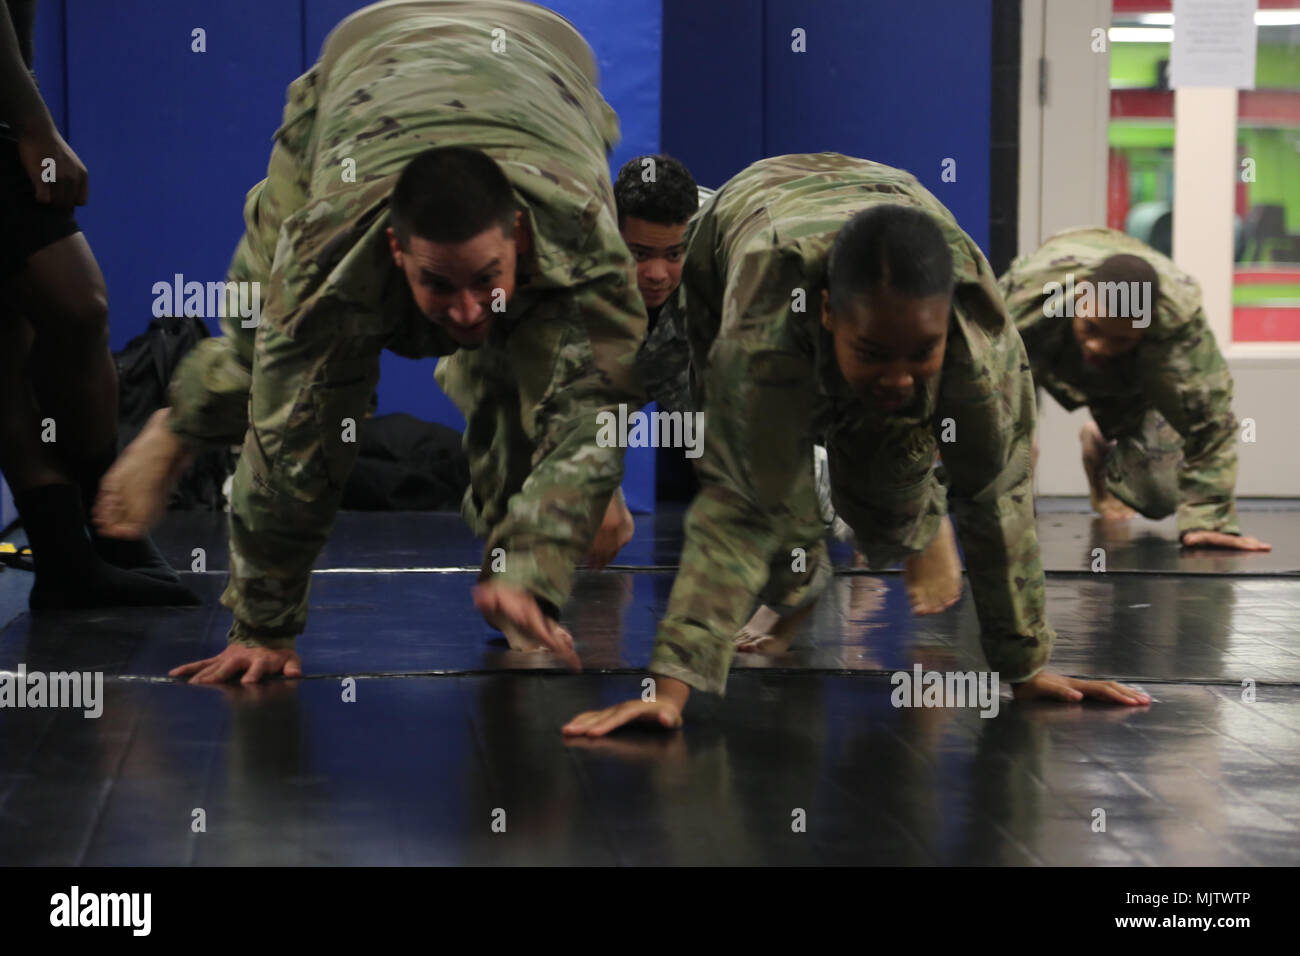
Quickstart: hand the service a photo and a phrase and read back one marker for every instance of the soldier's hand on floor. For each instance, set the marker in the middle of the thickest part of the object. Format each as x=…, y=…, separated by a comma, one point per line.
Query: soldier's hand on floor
x=1051, y=686
x=253, y=663
x=665, y=711
x=71, y=183
x=616, y=530
x=1217, y=539
x=506, y=607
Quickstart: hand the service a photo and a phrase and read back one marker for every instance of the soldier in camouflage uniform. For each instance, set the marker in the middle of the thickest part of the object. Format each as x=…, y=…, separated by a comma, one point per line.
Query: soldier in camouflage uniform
x=546, y=346
x=656, y=196
x=653, y=216
x=900, y=338
x=1111, y=323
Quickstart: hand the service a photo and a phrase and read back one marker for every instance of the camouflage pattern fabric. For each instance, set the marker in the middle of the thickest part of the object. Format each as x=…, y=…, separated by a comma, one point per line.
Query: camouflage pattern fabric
x=770, y=387
x=1176, y=371
x=430, y=73
x=665, y=356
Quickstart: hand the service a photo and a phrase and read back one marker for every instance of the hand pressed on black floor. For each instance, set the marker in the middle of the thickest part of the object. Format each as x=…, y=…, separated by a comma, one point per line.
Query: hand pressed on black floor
x=665, y=711
x=516, y=614
x=1217, y=539
x=1052, y=686
x=253, y=663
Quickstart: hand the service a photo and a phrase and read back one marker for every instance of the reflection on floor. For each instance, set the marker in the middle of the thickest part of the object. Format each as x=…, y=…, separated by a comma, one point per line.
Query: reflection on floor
x=804, y=761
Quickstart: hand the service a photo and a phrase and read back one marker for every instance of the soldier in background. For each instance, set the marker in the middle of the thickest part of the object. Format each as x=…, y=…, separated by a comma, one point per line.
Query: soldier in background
x=1112, y=324
x=656, y=198
x=832, y=299
x=500, y=245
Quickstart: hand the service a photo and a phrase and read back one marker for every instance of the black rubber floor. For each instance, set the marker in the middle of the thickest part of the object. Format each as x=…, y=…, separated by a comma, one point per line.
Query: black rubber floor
x=450, y=732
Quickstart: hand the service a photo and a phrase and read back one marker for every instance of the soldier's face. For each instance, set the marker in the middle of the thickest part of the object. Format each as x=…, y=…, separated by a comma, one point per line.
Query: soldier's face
x=1102, y=337
x=887, y=345
x=461, y=285
x=658, y=251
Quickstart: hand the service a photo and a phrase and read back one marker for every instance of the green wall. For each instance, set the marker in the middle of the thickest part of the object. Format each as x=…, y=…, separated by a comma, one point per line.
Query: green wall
x=1277, y=66
x=1276, y=151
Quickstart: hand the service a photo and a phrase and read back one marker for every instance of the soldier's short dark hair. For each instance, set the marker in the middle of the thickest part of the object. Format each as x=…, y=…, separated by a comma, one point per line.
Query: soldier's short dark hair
x=671, y=198
x=451, y=194
x=891, y=245
x=1127, y=268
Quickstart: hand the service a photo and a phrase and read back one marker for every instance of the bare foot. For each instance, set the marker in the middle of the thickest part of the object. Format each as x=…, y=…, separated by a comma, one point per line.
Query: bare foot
x=933, y=577
x=616, y=530
x=1095, y=447
x=768, y=632
x=133, y=493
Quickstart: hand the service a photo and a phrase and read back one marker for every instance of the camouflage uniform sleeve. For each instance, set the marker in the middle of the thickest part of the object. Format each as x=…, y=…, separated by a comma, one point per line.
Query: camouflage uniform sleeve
x=309, y=395
x=315, y=366
x=758, y=394
x=1188, y=381
x=588, y=340
x=988, y=391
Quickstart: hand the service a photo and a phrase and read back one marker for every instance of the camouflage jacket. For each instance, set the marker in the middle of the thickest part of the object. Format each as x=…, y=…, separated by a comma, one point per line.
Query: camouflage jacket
x=755, y=270
x=519, y=83
x=1176, y=368
x=664, y=357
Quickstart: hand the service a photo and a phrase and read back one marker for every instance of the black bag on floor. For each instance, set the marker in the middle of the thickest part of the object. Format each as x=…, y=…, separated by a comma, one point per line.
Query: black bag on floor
x=407, y=464
x=144, y=369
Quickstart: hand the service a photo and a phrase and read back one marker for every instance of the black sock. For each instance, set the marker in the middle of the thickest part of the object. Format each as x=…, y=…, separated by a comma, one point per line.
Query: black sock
x=88, y=472
x=140, y=556
x=68, y=571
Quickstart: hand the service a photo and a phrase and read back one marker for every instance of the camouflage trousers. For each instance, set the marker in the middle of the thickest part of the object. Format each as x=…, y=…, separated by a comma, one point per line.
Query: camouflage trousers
x=486, y=392
x=1142, y=468
x=894, y=504
x=893, y=513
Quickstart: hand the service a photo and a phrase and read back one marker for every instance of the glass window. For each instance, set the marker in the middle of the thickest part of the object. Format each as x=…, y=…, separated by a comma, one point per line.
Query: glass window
x=1266, y=283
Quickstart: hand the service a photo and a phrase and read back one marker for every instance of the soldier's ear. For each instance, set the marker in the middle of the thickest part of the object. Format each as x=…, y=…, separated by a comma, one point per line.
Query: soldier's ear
x=394, y=247
x=826, y=309
x=523, y=234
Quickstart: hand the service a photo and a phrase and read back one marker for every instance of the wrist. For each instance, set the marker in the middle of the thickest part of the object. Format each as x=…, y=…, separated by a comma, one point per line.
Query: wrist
x=267, y=642
x=32, y=120
x=671, y=689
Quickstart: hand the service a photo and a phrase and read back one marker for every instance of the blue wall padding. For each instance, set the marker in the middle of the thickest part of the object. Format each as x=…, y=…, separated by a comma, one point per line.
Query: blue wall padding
x=173, y=139
x=907, y=84
x=47, y=55
x=713, y=86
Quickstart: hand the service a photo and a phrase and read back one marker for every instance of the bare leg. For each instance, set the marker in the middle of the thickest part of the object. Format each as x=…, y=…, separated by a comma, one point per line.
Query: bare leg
x=61, y=293
x=68, y=571
x=27, y=462
x=1095, y=447
x=933, y=577
x=133, y=494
